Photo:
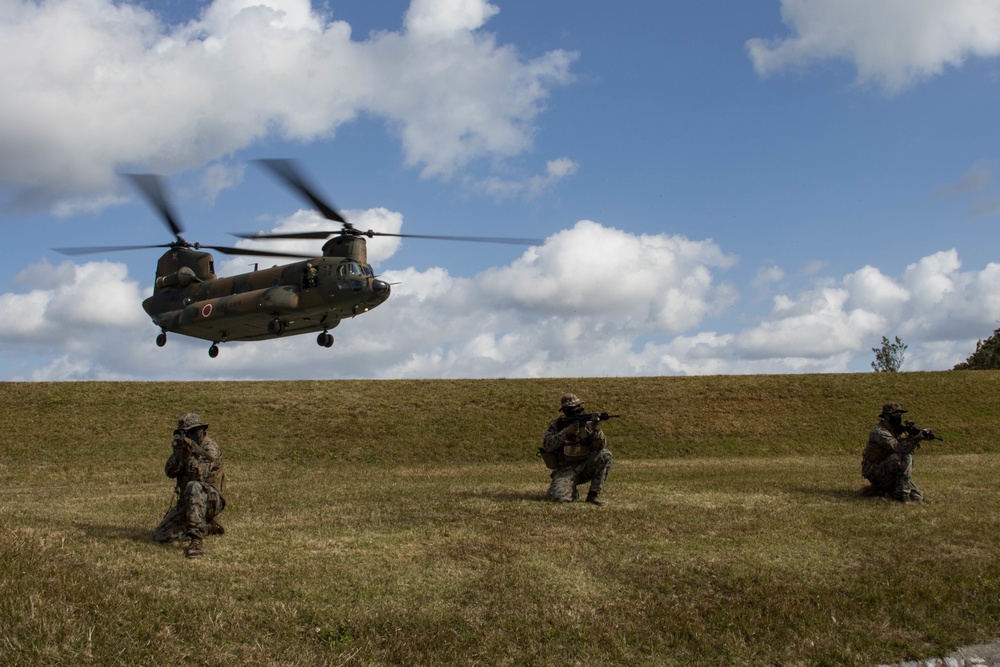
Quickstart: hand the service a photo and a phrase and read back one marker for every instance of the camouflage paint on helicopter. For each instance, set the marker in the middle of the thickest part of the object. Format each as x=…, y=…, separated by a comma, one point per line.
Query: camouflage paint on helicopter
x=189, y=299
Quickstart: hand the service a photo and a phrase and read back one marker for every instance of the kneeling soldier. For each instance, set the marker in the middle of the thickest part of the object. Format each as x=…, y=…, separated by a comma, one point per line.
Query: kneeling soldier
x=196, y=464
x=576, y=451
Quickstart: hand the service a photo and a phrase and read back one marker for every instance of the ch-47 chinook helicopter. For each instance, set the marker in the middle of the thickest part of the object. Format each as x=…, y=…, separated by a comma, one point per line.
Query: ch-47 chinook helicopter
x=308, y=296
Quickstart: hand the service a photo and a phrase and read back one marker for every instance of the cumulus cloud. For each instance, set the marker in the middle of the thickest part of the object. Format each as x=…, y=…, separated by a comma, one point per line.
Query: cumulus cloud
x=587, y=292
x=767, y=275
x=891, y=43
x=933, y=305
x=218, y=177
x=533, y=186
x=102, y=85
x=70, y=304
x=590, y=301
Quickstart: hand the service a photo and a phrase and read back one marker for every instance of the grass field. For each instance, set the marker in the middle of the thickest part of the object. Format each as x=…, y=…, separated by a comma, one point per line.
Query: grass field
x=403, y=523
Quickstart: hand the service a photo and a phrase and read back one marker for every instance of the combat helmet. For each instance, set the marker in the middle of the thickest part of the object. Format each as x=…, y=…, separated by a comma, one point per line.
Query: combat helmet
x=569, y=401
x=190, y=420
x=892, y=409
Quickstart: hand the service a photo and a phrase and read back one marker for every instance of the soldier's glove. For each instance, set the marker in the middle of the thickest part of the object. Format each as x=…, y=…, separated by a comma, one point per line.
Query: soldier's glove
x=594, y=425
x=570, y=430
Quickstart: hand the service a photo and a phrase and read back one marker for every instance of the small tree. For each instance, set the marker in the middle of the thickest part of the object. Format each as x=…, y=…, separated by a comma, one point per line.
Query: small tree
x=986, y=356
x=889, y=357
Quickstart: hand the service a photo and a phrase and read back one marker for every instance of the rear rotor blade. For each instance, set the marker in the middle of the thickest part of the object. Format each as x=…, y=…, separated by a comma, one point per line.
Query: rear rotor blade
x=223, y=249
x=253, y=252
x=151, y=186
x=110, y=248
x=371, y=234
x=285, y=171
x=287, y=235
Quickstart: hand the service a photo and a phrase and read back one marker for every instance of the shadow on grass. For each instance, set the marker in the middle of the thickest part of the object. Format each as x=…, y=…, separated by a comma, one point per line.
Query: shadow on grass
x=126, y=533
x=846, y=495
x=507, y=496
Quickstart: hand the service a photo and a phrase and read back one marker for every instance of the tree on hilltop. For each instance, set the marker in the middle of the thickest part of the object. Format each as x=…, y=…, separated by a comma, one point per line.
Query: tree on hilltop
x=986, y=356
x=889, y=357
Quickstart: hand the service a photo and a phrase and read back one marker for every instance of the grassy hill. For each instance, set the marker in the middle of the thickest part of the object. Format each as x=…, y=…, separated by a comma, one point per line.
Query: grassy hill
x=403, y=523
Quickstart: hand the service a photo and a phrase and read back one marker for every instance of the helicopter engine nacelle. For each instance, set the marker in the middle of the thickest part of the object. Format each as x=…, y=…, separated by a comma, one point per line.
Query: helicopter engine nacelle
x=185, y=276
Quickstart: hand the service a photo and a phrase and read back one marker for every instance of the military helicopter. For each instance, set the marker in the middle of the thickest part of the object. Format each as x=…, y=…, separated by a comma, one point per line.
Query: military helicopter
x=308, y=296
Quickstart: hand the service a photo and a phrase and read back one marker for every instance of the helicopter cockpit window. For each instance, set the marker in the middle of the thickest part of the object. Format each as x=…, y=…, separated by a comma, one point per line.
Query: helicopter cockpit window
x=368, y=270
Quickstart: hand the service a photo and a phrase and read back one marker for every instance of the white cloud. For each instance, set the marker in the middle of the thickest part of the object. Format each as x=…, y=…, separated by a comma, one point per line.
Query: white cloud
x=122, y=89
x=660, y=281
x=71, y=303
x=534, y=186
x=892, y=43
x=218, y=177
x=767, y=275
x=445, y=18
x=933, y=306
x=870, y=290
x=817, y=325
x=590, y=301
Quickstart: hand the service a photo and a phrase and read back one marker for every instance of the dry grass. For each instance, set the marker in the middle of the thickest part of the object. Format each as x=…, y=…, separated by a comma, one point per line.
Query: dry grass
x=402, y=523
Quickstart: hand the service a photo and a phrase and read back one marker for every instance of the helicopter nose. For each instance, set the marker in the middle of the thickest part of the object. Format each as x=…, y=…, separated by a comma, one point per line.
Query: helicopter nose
x=381, y=289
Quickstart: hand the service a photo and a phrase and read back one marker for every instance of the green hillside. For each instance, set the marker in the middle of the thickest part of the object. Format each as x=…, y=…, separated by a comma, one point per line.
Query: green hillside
x=403, y=523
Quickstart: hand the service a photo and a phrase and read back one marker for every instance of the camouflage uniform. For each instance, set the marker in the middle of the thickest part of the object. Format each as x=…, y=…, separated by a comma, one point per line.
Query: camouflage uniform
x=888, y=457
x=581, y=453
x=197, y=467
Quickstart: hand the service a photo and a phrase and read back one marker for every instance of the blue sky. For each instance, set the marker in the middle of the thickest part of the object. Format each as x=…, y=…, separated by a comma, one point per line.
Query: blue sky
x=720, y=187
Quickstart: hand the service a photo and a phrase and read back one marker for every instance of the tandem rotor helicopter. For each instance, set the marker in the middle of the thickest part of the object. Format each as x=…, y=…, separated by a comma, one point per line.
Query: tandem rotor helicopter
x=308, y=296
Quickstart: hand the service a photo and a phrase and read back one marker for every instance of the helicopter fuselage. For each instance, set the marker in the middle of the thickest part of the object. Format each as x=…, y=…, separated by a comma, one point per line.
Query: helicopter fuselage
x=290, y=299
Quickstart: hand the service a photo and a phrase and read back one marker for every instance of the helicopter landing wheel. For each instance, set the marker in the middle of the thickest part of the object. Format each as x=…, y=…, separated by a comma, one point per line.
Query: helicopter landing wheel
x=325, y=339
x=213, y=351
x=276, y=327
x=161, y=340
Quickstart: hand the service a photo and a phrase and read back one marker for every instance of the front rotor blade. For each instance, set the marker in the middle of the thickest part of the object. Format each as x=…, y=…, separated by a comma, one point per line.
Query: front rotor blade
x=110, y=248
x=286, y=171
x=474, y=239
x=151, y=186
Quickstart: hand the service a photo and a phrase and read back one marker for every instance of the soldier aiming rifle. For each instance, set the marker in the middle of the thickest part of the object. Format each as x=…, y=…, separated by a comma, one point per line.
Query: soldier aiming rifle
x=575, y=448
x=887, y=461
x=196, y=463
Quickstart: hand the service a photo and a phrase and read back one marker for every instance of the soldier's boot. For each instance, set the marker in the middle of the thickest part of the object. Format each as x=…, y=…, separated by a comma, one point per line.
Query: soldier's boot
x=194, y=548
x=593, y=498
x=215, y=528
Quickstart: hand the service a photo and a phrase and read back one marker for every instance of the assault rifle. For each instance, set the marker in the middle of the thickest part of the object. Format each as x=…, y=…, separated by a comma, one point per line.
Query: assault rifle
x=583, y=418
x=180, y=437
x=187, y=445
x=912, y=429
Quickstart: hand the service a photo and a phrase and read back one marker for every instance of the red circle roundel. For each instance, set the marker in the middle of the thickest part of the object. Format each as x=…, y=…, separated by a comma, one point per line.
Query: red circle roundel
x=206, y=310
